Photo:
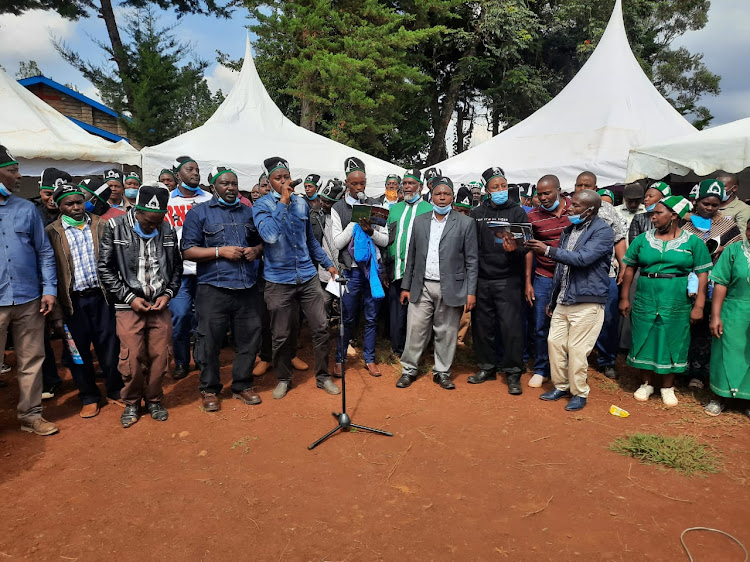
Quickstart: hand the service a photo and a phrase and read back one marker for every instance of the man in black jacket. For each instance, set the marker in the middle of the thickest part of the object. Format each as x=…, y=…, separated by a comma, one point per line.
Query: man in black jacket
x=141, y=267
x=500, y=285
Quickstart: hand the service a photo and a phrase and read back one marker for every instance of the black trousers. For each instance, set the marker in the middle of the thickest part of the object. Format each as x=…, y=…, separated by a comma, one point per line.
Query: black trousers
x=284, y=303
x=397, y=313
x=219, y=309
x=93, y=322
x=266, y=338
x=499, y=303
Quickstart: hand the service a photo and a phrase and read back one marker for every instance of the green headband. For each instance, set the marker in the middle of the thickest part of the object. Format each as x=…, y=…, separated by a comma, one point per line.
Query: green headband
x=463, y=205
x=170, y=172
x=414, y=178
x=281, y=167
x=181, y=165
x=94, y=193
x=48, y=188
x=64, y=195
x=8, y=164
x=606, y=193
x=227, y=171
x=151, y=210
x=136, y=178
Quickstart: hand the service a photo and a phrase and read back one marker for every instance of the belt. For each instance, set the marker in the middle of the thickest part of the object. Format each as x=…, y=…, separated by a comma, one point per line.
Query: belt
x=87, y=292
x=664, y=275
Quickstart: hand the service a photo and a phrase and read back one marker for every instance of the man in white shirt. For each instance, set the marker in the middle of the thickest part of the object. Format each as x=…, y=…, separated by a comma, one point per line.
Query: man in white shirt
x=632, y=202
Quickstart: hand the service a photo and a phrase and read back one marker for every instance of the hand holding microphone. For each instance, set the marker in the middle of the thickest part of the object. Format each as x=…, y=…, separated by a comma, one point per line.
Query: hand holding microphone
x=287, y=189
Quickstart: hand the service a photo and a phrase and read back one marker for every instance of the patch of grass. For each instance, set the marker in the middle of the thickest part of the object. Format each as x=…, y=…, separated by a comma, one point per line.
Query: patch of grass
x=682, y=453
x=244, y=444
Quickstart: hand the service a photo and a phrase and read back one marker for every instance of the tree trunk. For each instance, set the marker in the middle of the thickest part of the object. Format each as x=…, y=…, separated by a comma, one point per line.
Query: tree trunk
x=307, y=118
x=108, y=15
x=460, y=115
x=495, y=119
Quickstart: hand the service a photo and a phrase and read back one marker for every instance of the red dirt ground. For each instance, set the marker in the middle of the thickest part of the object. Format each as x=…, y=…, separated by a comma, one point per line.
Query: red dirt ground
x=472, y=474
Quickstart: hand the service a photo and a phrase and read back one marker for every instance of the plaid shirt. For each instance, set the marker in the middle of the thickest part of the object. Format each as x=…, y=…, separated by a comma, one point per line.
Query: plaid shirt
x=149, y=273
x=81, y=245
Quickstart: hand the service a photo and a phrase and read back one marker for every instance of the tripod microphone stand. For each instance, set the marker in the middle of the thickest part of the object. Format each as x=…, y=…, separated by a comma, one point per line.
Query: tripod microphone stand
x=345, y=422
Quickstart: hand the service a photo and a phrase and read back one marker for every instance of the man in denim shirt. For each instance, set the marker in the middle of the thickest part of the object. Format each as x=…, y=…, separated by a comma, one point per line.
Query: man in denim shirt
x=220, y=237
x=28, y=290
x=292, y=276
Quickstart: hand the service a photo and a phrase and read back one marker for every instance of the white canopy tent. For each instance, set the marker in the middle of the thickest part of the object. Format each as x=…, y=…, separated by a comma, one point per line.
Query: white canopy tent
x=726, y=147
x=40, y=137
x=608, y=108
x=247, y=128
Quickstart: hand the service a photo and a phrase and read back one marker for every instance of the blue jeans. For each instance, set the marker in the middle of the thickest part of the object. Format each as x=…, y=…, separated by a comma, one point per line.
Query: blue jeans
x=542, y=293
x=608, y=342
x=359, y=294
x=181, y=307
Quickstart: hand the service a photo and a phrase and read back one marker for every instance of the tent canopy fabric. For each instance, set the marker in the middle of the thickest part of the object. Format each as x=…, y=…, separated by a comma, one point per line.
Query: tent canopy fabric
x=247, y=128
x=39, y=136
x=726, y=147
x=608, y=108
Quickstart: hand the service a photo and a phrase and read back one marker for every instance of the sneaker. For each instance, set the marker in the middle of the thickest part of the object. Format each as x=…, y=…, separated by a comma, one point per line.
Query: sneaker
x=351, y=352
x=48, y=392
x=714, y=408
x=40, y=426
x=610, y=372
x=5, y=369
x=329, y=386
x=643, y=393
x=696, y=384
x=668, y=397
x=281, y=389
x=536, y=381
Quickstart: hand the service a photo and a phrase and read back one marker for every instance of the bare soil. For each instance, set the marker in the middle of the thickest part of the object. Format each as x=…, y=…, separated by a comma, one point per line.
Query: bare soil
x=470, y=474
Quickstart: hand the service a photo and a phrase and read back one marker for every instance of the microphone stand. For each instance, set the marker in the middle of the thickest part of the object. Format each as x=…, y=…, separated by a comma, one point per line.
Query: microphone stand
x=344, y=421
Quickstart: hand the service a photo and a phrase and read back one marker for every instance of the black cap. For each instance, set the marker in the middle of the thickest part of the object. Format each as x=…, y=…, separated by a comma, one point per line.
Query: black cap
x=490, y=173
x=442, y=181
x=333, y=190
x=633, y=191
x=274, y=163
x=314, y=179
x=464, y=198
x=52, y=178
x=153, y=198
x=97, y=187
x=432, y=174
x=113, y=174
x=414, y=174
x=6, y=158
x=65, y=189
x=353, y=164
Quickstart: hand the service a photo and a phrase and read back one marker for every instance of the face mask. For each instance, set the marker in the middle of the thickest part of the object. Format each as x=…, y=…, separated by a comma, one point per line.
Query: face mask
x=701, y=223
x=441, y=210
x=89, y=206
x=726, y=196
x=72, y=222
x=552, y=207
x=139, y=231
x=578, y=219
x=413, y=199
x=313, y=198
x=131, y=192
x=391, y=195
x=4, y=190
x=225, y=204
x=186, y=186
x=275, y=193
x=499, y=197
x=650, y=208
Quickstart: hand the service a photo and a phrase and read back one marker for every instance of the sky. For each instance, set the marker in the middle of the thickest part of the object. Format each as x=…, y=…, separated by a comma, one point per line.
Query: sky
x=725, y=43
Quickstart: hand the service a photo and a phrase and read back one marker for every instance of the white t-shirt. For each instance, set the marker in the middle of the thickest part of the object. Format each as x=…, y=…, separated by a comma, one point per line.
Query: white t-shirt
x=177, y=208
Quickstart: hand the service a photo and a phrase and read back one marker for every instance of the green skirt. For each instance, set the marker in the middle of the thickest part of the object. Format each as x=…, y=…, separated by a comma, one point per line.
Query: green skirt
x=660, y=321
x=730, y=354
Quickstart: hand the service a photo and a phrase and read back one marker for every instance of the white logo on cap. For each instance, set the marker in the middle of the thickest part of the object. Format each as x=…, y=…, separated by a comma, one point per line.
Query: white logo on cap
x=176, y=164
x=497, y=171
x=351, y=164
x=714, y=188
x=10, y=156
x=59, y=182
x=309, y=178
x=153, y=204
x=112, y=174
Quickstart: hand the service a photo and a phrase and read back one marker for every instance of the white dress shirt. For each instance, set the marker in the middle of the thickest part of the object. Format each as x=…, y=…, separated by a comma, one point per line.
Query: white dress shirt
x=432, y=268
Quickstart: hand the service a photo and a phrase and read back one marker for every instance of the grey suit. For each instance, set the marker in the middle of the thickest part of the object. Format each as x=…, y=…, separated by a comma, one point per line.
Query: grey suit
x=438, y=305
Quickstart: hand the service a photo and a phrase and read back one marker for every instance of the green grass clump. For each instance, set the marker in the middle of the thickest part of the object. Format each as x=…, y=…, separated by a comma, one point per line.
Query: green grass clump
x=682, y=453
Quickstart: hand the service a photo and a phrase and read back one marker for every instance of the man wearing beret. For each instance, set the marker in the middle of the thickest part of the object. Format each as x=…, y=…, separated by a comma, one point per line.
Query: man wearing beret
x=82, y=302
x=28, y=287
x=500, y=285
x=115, y=180
x=220, y=236
x=291, y=275
x=364, y=282
x=140, y=266
x=312, y=185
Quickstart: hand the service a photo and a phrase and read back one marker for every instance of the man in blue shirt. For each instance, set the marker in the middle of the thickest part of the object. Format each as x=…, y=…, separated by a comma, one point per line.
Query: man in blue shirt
x=292, y=276
x=221, y=238
x=28, y=290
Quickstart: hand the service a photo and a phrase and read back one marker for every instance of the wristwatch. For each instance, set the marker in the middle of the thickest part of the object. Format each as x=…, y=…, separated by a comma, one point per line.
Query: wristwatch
x=217, y=252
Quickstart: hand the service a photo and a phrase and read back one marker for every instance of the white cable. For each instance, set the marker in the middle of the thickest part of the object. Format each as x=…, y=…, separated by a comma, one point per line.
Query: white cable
x=687, y=551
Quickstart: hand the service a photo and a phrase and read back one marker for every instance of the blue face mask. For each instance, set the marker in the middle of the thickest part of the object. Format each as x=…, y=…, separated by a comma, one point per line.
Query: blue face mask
x=650, y=208
x=701, y=223
x=552, y=207
x=225, y=204
x=313, y=198
x=4, y=191
x=726, y=196
x=139, y=231
x=499, y=197
x=578, y=219
x=442, y=210
x=414, y=199
x=186, y=186
x=131, y=192
x=89, y=206
x=275, y=193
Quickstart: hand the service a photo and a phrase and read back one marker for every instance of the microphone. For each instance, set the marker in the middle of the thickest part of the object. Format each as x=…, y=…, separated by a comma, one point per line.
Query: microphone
x=361, y=196
x=296, y=182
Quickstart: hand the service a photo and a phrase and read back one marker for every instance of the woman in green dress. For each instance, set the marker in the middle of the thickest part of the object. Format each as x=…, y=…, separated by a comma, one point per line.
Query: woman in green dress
x=730, y=327
x=662, y=309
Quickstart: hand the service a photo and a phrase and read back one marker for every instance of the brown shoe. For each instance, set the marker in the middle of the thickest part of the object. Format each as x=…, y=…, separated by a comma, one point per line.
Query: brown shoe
x=374, y=369
x=300, y=365
x=90, y=410
x=261, y=368
x=40, y=426
x=211, y=402
x=337, y=370
x=248, y=396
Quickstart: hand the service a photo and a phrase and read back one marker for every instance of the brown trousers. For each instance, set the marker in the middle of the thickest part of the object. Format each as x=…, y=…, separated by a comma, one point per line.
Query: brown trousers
x=145, y=349
x=27, y=324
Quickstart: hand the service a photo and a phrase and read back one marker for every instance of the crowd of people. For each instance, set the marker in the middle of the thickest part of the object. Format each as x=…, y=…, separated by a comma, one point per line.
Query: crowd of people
x=145, y=273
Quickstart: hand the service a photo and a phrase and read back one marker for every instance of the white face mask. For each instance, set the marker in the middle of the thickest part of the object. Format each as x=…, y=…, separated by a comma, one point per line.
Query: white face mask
x=4, y=191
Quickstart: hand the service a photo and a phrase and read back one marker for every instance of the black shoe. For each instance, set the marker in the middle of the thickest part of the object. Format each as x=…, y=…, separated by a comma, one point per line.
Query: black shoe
x=609, y=372
x=514, y=384
x=554, y=395
x=404, y=381
x=180, y=372
x=130, y=415
x=482, y=376
x=157, y=411
x=444, y=381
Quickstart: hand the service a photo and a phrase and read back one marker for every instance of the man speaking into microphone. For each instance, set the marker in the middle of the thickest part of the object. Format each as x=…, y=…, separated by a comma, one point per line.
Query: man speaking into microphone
x=281, y=218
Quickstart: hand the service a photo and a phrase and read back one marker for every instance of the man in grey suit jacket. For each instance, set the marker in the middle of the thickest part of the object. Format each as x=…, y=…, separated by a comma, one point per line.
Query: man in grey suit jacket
x=440, y=282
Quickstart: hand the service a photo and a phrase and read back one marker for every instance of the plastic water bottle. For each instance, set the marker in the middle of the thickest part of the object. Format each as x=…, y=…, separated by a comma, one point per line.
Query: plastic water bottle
x=72, y=347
